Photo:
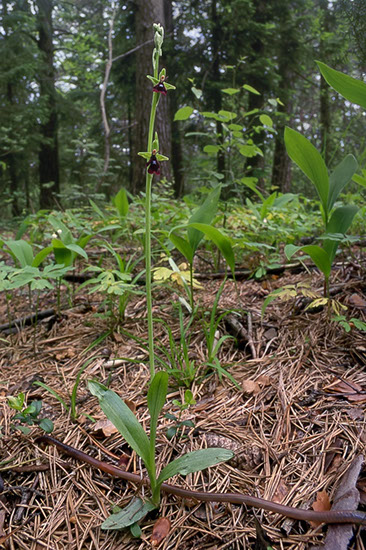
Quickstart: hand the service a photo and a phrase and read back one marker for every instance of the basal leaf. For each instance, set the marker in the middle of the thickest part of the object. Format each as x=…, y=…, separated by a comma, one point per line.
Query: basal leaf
x=134, y=512
x=194, y=462
x=309, y=160
x=123, y=419
x=156, y=397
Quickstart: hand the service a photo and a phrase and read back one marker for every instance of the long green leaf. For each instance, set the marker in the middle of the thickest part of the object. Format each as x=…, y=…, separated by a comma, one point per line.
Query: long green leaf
x=123, y=419
x=301, y=151
x=135, y=511
x=339, y=222
x=77, y=249
x=194, y=462
x=42, y=254
x=350, y=88
x=221, y=241
x=339, y=178
x=204, y=214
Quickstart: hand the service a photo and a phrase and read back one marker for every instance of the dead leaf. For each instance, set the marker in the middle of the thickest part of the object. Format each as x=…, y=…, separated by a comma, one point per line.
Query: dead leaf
x=281, y=492
x=249, y=386
x=355, y=413
x=352, y=391
x=321, y=504
x=131, y=405
x=161, y=530
x=346, y=498
x=263, y=380
x=357, y=301
x=123, y=461
x=361, y=486
x=105, y=427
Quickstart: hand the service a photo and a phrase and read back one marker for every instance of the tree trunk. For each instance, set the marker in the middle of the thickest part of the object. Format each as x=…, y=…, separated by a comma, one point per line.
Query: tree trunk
x=216, y=77
x=324, y=88
x=48, y=153
x=147, y=13
x=177, y=150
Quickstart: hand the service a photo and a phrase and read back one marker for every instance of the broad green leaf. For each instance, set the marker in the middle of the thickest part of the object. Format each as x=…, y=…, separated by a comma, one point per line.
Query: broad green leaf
x=250, y=151
x=230, y=91
x=197, y=92
x=204, y=214
x=266, y=120
x=47, y=425
x=227, y=115
x=339, y=222
x=42, y=254
x=251, y=89
x=21, y=251
x=301, y=151
x=339, y=178
x=120, y=201
x=221, y=241
x=123, y=419
x=194, y=462
x=350, y=88
x=156, y=397
x=211, y=149
x=133, y=513
x=183, y=113
x=316, y=253
x=62, y=254
x=77, y=249
x=183, y=246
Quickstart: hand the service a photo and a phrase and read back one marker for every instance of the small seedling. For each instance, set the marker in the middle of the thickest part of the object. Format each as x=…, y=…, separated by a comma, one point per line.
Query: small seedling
x=28, y=415
x=180, y=424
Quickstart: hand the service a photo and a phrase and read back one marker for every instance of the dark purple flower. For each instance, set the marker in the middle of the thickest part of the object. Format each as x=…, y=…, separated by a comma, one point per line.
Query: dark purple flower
x=153, y=164
x=160, y=86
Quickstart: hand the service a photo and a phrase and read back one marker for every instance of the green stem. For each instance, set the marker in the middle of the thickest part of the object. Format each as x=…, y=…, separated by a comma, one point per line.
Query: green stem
x=191, y=284
x=149, y=177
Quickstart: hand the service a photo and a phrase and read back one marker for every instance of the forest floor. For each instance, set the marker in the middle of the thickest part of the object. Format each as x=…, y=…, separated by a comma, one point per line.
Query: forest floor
x=296, y=422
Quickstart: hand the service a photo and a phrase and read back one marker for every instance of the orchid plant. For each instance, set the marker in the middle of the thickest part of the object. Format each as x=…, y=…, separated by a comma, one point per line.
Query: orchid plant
x=113, y=406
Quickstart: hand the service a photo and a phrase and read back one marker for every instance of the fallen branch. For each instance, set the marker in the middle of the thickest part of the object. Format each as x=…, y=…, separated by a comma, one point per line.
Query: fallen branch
x=333, y=516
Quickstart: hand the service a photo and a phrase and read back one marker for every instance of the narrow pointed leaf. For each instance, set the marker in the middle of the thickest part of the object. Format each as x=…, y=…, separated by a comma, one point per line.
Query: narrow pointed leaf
x=123, y=419
x=194, y=462
x=339, y=178
x=350, y=88
x=221, y=241
x=301, y=151
x=183, y=246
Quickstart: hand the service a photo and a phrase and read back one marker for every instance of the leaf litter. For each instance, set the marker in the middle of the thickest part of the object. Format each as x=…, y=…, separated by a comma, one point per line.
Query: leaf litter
x=284, y=430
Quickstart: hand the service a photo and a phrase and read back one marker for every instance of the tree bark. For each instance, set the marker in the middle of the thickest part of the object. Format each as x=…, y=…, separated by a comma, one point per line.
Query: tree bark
x=48, y=154
x=147, y=13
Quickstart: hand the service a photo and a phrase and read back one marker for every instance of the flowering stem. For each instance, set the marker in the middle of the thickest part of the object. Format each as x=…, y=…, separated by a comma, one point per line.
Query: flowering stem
x=149, y=177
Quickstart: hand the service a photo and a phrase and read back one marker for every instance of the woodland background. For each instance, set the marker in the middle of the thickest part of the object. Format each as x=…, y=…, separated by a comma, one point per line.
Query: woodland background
x=63, y=64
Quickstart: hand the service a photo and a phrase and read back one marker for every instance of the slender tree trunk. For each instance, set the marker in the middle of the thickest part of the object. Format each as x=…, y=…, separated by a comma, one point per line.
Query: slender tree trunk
x=147, y=13
x=48, y=153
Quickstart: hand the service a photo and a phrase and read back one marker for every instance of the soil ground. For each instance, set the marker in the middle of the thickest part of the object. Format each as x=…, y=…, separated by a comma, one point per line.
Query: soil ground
x=296, y=422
